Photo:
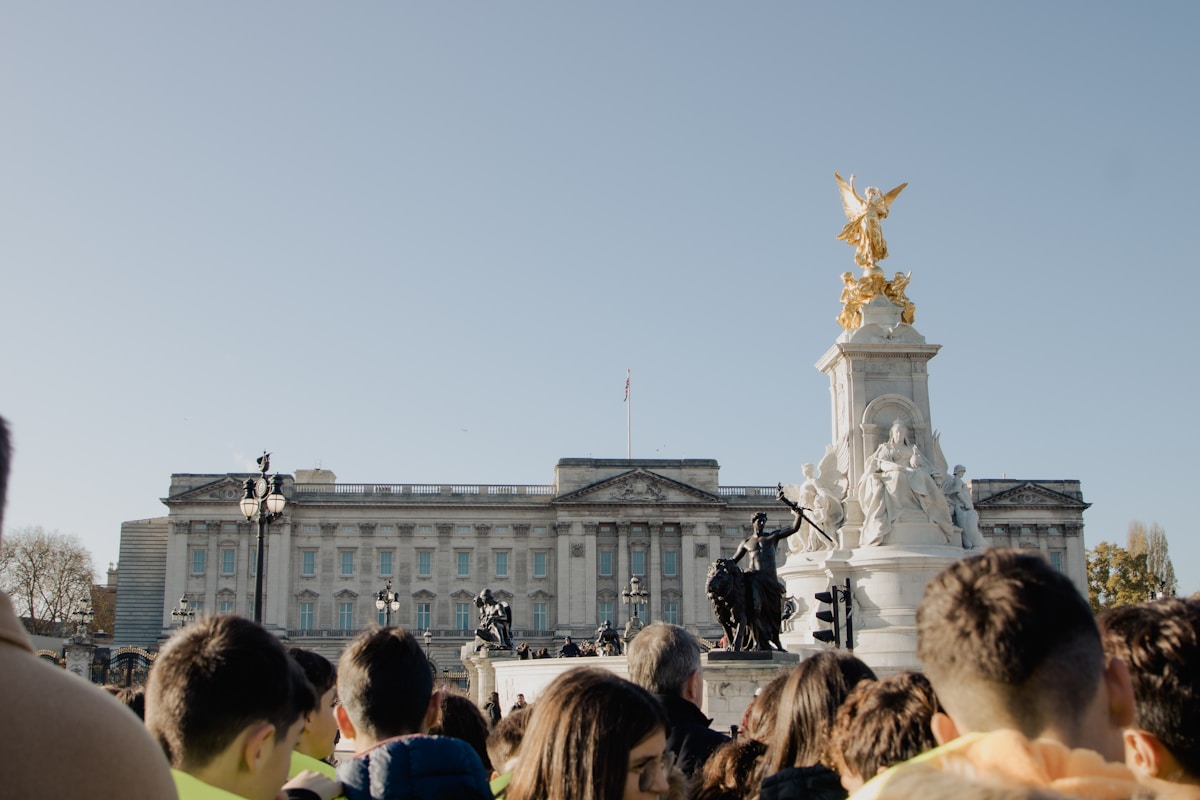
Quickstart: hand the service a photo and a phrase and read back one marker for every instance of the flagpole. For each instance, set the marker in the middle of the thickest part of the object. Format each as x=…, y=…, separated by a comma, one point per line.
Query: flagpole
x=628, y=420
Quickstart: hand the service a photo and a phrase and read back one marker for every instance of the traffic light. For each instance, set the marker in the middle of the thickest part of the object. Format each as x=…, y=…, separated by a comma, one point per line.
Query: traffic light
x=829, y=635
x=841, y=609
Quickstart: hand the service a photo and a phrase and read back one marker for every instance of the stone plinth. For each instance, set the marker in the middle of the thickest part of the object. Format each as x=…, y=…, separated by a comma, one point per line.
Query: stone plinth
x=510, y=677
x=887, y=584
x=731, y=679
x=79, y=658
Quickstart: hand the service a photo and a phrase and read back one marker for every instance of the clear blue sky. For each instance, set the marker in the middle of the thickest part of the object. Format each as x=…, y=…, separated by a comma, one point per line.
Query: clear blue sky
x=422, y=242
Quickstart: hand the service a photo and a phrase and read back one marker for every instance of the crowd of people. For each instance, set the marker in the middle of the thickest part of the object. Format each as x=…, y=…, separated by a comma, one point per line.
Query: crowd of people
x=1023, y=694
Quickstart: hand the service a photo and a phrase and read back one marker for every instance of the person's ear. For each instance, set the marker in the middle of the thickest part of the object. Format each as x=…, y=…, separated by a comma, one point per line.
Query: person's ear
x=1120, y=693
x=432, y=711
x=343, y=722
x=943, y=728
x=260, y=737
x=1147, y=757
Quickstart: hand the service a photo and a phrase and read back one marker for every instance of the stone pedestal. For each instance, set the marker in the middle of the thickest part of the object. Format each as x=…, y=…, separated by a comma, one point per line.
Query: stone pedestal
x=79, y=659
x=731, y=679
x=886, y=583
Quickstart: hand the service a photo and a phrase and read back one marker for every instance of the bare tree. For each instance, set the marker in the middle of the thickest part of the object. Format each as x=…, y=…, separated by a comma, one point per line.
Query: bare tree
x=1153, y=544
x=47, y=574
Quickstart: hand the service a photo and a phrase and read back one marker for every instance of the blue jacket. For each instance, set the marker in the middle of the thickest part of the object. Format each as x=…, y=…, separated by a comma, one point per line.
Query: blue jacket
x=418, y=767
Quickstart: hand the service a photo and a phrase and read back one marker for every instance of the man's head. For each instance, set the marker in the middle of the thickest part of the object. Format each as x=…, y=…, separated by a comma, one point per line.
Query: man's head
x=385, y=687
x=227, y=705
x=665, y=659
x=1008, y=642
x=1160, y=643
x=567, y=640
x=758, y=521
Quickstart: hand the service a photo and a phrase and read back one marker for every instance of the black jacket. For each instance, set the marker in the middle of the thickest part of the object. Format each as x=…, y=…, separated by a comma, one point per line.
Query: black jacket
x=803, y=783
x=690, y=738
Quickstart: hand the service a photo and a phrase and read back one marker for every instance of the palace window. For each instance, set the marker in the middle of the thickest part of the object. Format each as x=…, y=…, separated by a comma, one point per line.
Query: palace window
x=670, y=611
x=199, y=559
x=422, y=616
x=385, y=562
x=606, y=562
x=306, y=616
x=347, y=559
x=539, y=565
x=308, y=563
x=540, y=617
x=424, y=563
x=346, y=616
x=501, y=563
x=463, y=562
x=228, y=562
x=637, y=562
x=670, y=563
x=462, y=617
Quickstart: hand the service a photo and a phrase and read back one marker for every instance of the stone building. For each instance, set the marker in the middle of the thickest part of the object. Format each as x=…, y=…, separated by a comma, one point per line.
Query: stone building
x=560, y=554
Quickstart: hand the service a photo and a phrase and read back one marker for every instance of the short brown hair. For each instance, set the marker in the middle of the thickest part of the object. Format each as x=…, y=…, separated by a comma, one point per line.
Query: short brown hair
x=385, y=682
x=505, y=739
x=1160, y=641
x=214, y=679
x=1008, y=641
x=883, y=723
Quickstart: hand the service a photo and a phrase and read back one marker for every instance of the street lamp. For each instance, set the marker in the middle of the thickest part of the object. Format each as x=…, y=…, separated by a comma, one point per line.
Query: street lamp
x=83, y=617
x=264, y=499
x=182, y=614
x=634, y=595
x=388, y=601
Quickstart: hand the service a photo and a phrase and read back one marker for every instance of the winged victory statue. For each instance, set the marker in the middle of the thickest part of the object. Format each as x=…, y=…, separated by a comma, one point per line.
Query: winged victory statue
x=863, y=231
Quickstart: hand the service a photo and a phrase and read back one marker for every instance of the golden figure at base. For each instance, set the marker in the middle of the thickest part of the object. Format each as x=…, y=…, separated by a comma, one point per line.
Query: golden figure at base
x=857, y=293
x=863, y=232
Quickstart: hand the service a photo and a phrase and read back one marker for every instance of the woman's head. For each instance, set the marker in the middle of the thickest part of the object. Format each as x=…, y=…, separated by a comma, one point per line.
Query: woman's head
x=580, y=739
x=808, y=706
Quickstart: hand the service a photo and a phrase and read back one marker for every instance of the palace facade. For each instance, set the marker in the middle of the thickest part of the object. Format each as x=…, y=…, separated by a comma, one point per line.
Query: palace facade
x=560, y=554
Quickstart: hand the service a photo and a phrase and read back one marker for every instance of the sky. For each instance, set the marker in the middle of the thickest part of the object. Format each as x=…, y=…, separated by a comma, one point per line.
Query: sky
x=423, y=242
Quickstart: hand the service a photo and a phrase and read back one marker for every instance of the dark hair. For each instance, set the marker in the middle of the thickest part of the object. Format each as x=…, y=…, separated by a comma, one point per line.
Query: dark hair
x=1003, y=634
x=759, y=720
x=505, y=739
x=579, y=737
x=1160, y=641
x=808, y=706
x=731, y=772
x=662, y=656
x=214, y=679
x=882, y=723
x=459, y=718
x=317, y=668
x=134, y=698
x=385, y=682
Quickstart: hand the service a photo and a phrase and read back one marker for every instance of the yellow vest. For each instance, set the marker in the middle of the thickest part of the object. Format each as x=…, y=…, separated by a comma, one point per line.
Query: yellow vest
x=192, y=788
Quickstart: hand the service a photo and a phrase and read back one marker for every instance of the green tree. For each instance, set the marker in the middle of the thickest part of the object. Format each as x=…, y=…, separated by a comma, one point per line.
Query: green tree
x=1153, y=543
x=47, y=574
x=1116, y=577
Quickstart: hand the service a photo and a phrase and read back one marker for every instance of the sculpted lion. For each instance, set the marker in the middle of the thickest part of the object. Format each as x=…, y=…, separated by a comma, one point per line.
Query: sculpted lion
x=731, y=592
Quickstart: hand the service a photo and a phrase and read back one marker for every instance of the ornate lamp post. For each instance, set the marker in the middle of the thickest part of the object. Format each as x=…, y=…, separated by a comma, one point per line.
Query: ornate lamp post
x=635, y=595
x=83, y=617
x=263, y=499
x=388, y=602
x=182, y=614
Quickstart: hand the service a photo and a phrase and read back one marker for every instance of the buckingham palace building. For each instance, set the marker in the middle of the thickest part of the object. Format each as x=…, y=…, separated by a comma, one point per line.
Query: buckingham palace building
x=560, y=554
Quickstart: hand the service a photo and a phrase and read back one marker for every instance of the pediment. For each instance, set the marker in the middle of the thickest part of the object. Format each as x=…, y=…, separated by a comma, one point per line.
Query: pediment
x=225, y=490
x=639, y=487
x=1031, y=495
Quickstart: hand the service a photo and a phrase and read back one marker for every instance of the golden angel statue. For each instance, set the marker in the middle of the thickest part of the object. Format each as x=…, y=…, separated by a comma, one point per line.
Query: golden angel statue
x=863, y=231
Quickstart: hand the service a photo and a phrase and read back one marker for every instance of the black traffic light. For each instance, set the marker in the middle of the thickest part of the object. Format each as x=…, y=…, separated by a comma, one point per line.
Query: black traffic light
x=835, y=597
x=829, y=635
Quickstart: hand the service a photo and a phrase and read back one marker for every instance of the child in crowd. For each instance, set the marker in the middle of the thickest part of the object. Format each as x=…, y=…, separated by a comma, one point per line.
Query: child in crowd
x=880, y=724
x=1160, y=643
x=319, y=735
x=503, y=744
x=385, y=689
x=460, y=718
x=227, y=706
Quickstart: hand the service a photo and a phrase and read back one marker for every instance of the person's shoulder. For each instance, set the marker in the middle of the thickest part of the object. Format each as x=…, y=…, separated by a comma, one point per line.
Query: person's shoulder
x=51, y=712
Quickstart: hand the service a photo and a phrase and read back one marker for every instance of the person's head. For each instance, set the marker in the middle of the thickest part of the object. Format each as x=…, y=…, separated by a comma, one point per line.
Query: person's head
x=808, y=705
x=592, y=736
x=731, y=772
x=1160, y=643
x=504, y=741
x=808, y=469
x=460, y=718
x=880, y=724
x=959, y=470
x=385, y=687
x=520, y=699
x=227, y=705
x=758, y=522
x=665, y=659
x=899, y=432
x=1008, y=642
x=133, y=698
x=320, y=725
x=567, y=640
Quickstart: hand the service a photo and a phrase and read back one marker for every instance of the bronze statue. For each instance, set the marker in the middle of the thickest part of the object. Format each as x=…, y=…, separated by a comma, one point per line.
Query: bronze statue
x=495, y=622
x=608, y=641
x=749, y=604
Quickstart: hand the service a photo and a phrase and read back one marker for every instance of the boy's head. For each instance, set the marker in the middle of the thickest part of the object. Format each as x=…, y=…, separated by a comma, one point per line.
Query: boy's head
x=227, y=705
x=504, y=742
x=1008, y=642
x=385, y=687
x=882, y=723
x=320, y=725
x=1160, y=643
